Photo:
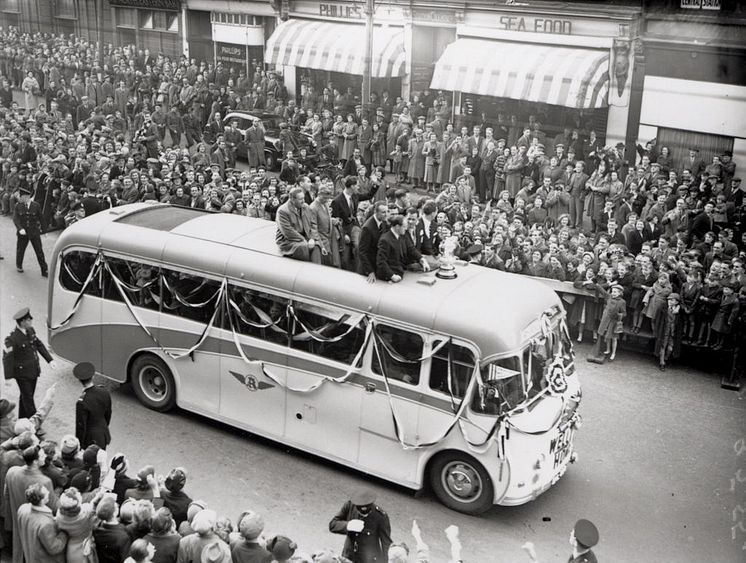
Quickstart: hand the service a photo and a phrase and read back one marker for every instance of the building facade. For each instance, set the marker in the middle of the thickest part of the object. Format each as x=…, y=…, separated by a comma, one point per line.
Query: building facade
x=674, y=70
x=693, y=89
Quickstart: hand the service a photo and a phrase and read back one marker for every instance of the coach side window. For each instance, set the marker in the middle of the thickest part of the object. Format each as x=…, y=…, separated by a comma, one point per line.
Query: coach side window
x=189, y=296
x=332, y=334
x=461, y=369
x=259, y=314
x=74, y=270
x=401, y=351
x=140, y=283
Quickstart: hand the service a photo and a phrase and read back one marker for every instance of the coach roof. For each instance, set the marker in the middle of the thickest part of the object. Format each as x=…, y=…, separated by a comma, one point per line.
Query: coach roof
x=488, y=307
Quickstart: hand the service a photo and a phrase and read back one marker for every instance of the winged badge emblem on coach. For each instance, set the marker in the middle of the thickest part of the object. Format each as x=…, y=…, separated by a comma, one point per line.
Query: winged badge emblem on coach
x=250, y=382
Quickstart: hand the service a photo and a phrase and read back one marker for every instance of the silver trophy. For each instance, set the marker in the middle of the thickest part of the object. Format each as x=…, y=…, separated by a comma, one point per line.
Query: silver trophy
x=447, y=261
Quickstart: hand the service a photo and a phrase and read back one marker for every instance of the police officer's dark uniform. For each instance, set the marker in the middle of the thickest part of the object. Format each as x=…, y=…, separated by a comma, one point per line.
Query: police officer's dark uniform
x=93, y=409
x=20, y=361
x=371, y=545
x=586, y=536
x=27, y=217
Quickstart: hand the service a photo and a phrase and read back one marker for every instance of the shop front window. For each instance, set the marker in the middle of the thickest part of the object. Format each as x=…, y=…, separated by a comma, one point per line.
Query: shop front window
x=66, y=9
x=126, y=17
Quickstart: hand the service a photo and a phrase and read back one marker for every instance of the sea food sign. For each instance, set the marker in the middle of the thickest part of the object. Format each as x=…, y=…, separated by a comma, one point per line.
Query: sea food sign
x=535, y=24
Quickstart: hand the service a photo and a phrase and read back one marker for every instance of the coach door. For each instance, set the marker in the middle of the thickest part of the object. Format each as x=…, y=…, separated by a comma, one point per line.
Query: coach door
x=80, y=339
x=252, y=389
x=394, y=359
x=189, y=305
x=322, y=415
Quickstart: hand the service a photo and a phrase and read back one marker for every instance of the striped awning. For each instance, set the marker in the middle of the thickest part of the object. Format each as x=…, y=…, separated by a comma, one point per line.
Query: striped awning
x=336, y=47
x=562, y=76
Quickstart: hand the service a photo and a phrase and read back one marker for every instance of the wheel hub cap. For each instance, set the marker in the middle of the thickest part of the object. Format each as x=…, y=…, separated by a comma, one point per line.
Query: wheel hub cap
x=463, y=481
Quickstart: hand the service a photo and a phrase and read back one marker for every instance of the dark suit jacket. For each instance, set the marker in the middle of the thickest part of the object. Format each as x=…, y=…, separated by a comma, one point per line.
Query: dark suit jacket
x=701, y=224
x=394, y=255
x=112, y=543
x=577, y=184
x=342, y=210
x=352, y=165
x=697, y=167
x=92, y=417
x=368, y=246
x=425, y=244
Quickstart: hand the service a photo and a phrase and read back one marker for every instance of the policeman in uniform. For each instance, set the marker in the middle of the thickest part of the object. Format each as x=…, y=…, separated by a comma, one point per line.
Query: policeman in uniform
x=367, y=528
x=20, y=361
x=27, y=218
x=582, y=538
x=93, y=409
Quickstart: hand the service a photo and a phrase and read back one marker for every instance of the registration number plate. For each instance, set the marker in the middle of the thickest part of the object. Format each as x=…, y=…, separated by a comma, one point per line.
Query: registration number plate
x=559, y=447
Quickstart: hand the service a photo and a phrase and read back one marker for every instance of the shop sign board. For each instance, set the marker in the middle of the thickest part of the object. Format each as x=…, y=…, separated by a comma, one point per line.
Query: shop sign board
x=547, y=24
x=351, y=10
x=434, y=16
x=230, y=54
x=700, y=4
x=422, y=76
x=535, y=24
x=150, y=4
x=341, y=10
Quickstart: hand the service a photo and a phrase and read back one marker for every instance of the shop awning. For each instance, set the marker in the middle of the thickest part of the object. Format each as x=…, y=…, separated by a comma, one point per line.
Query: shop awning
x=336, y=47
x=563, y=76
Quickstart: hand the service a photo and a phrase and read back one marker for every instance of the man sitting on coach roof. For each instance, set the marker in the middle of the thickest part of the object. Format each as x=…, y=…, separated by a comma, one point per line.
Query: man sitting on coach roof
x=293, y=235
x=396, y=252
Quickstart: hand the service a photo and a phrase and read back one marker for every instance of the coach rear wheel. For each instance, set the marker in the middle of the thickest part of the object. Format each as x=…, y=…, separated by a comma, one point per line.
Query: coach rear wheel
x=153, y=383
x=461, y=483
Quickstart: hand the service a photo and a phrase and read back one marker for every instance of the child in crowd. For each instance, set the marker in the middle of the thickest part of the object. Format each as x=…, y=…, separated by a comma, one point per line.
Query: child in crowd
x=690, y=293
x=725, y=317
x=612, y=319
x=585, y=310
x=656, y=297
x=669, y=325
x=709, y=300
x=643, y=281
x=396, y=158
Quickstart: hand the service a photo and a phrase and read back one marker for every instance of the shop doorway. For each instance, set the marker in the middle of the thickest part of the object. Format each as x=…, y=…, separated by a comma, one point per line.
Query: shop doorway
x=485, y=111
x=320, y=79
x=679, y=141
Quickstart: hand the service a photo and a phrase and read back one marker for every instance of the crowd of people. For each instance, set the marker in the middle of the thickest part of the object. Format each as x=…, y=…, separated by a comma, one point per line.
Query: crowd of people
x=129, y=126
x=68, y=501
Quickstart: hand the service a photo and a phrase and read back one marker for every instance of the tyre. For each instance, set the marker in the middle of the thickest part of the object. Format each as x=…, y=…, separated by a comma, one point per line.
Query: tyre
x=153, y=383
x=270, y=161
x=461, y=483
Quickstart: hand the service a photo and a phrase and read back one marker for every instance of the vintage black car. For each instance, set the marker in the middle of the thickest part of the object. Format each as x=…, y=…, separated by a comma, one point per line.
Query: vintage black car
x=271, y=123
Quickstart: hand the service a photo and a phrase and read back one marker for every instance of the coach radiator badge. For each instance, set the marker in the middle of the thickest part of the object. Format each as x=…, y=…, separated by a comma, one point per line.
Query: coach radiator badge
x=250, y=382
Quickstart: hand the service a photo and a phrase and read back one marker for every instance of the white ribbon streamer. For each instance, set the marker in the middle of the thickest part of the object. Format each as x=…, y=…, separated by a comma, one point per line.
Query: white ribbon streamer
x=95, y=268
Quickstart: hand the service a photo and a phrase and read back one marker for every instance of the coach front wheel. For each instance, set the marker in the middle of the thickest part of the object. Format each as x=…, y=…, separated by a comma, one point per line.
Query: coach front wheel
x=153, y=383
x=461, y=483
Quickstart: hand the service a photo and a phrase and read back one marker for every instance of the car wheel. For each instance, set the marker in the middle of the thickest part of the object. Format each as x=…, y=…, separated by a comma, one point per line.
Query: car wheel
x=461, y=483
x=270, y=161
x=153, y=383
